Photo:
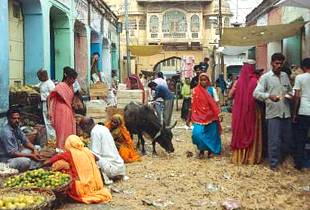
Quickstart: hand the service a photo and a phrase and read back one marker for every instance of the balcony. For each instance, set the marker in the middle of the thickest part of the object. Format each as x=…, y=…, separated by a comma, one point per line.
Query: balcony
x=174, y=35
x=177, y=37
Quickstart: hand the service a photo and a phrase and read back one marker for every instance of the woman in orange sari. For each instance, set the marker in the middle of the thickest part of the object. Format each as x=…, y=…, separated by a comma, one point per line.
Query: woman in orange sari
x=80, y=163
x=122, y=138
x=60, y=107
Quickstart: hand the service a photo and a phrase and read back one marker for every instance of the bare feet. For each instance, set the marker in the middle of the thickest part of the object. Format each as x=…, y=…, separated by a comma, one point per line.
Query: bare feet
x=201, y=155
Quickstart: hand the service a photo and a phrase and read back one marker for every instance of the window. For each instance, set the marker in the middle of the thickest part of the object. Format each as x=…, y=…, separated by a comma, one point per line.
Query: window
x=132, y=32
x=208, y=24
x=142, y=25
x=174, y=22
x=173, y=62
x=154, y=21
x=226, y=22
x=168, y=62
x=132, y=23
x=195, y=23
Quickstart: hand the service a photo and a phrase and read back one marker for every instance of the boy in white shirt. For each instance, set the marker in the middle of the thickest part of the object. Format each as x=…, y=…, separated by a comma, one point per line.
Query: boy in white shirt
x=46, y=87
x=301, y=114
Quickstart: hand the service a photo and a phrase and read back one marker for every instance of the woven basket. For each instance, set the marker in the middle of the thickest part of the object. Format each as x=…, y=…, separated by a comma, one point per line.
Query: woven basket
x=47, y=194
x=59, y=191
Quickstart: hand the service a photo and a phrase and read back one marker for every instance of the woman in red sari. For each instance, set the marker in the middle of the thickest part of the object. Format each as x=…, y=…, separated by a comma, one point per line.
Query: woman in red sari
x=60, y=107
x=205, y=118
x=246, y=142
x=80, y=163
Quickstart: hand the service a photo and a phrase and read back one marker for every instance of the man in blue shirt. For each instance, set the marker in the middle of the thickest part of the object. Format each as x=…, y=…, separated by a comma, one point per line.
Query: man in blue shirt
x=15, y=149
x=164, y=99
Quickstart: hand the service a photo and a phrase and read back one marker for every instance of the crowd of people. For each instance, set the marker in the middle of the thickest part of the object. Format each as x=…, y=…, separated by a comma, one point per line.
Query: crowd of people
x=111, y=146
x=270, y=113
x=256, y=95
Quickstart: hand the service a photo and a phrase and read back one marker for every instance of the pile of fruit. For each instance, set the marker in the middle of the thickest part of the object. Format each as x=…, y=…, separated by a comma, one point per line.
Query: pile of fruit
x=38, y=178
x=27, y=88
x=20, y=201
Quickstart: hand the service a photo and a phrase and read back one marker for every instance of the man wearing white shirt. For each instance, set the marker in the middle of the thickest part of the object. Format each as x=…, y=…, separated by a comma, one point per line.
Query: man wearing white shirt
x=103, y=146
x=160, y=80
x=46, y=87
x=301, y=114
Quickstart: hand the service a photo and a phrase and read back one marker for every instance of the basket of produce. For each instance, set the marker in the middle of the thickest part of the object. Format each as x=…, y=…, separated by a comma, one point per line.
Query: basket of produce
x=26, y=199
x=40, y=178
x=6, y=171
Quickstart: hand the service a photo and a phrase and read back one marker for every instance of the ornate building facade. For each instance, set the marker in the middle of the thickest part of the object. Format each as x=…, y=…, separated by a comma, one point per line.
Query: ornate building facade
x=183, y=28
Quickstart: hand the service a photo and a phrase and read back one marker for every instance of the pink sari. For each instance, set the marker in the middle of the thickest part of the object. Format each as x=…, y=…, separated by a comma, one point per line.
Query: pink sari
x=61, y=112
x=244, y=109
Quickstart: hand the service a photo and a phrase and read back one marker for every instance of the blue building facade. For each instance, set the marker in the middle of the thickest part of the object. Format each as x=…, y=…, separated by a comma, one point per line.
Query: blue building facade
x=4, y=61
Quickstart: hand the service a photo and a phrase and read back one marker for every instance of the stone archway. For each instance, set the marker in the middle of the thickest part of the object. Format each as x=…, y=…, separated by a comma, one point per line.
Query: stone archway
x=33, y=30
x=168, y=65
x=60, y=42
x=25, y=26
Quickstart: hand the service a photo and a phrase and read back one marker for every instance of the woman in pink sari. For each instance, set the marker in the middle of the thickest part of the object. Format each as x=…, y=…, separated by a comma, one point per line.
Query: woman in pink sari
x=247, y=121
x=60, y=107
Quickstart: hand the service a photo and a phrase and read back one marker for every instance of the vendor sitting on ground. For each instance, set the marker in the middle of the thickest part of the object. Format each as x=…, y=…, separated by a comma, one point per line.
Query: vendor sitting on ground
x=15, y=149
x=122, y=138
x=80, y=163
x=102, y=145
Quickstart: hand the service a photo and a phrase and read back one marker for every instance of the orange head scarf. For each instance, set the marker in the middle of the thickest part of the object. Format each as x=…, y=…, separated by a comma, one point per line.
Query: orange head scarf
x=121, y=125
x=89, y=186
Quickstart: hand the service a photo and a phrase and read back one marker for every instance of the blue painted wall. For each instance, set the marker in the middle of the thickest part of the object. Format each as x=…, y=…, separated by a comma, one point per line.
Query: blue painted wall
x=4, y=59
x=34, y=53
x=97, y=47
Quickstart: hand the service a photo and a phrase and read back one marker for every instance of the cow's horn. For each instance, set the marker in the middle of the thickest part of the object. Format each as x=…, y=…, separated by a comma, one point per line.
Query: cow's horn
x=172, y=126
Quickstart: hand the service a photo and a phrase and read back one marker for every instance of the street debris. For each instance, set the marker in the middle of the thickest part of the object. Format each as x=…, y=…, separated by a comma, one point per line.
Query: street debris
x=231, y=204
x=157, y=203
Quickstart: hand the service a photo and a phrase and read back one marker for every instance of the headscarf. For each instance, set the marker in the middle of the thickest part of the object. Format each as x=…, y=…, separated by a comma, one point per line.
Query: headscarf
x=243, y=111
x=121, y=126
x=126, y=149
x=89, y=185
x=204, y=108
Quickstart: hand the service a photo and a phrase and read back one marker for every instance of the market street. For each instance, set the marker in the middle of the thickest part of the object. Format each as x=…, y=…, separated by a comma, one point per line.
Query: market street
x=182, y=181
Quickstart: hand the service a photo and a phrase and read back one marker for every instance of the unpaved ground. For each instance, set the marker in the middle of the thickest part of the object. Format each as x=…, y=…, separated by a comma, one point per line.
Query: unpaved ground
x=180, y=182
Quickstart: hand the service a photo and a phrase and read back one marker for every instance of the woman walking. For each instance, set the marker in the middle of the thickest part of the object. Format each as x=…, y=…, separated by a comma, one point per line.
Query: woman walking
x=60, y=108
x=205, y=118
x=246, y=142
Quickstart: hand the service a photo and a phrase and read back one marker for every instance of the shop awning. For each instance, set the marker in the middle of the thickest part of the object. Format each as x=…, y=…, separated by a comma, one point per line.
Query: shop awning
x=255, y=35
x=145, y=50
x=294, y=3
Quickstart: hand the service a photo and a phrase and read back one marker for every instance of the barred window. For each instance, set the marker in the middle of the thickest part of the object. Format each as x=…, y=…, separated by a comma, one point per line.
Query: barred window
x=154, y=22
x=174, y=21
x=195, y=23
x=226, y=22
x=208, y=24
x=132, y=23
x=142, y=24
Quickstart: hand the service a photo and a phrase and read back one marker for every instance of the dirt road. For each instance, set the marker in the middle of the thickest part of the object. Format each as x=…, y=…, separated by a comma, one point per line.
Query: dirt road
x=180, y=182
